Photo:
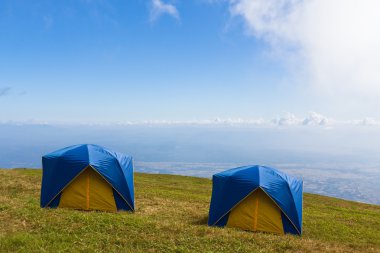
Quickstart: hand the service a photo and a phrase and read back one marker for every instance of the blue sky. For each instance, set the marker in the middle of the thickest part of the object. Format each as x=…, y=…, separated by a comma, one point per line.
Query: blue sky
x=115, y=61
x=81, y=59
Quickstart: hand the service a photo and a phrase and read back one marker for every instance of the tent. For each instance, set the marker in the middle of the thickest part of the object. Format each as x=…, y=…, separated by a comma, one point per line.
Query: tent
x=87, y=177
x=257, y=198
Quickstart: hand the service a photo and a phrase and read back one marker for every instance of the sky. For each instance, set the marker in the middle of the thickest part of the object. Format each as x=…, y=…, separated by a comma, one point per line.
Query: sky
x=196, y=86
x=107, y=62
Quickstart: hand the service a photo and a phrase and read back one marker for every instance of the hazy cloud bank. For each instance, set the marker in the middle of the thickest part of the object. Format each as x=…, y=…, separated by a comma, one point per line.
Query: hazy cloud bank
x=313, y=119
x=334, y=45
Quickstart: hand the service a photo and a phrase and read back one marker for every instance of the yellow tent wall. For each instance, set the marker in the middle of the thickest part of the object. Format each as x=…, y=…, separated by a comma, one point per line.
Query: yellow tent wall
x=257, y=212
x=88, y=191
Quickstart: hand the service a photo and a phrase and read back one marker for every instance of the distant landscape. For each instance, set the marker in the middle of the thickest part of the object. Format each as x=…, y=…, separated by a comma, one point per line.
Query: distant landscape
x=338, y=162
x=355, y=183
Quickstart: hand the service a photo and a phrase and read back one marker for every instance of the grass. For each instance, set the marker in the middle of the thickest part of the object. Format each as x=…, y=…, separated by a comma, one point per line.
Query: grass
x=171, y=216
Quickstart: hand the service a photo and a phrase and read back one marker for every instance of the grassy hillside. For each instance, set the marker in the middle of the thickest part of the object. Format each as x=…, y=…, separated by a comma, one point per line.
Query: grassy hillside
x=171, y=216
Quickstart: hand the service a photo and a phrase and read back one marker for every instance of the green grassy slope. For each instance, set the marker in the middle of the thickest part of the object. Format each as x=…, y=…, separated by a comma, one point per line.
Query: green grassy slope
x=171, y=216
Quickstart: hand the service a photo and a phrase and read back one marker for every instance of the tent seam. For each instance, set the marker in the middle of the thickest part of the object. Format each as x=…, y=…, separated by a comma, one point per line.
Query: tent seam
x=113, y=187
x=112, y=154
x=66, y=186
x=281, y=209
x=122, y=172
x=288, y=186
x=235, y=205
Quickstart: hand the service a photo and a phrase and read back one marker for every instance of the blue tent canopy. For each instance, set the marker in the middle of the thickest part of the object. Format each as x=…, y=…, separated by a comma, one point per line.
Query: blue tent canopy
x=61, y=167
x=232, y=186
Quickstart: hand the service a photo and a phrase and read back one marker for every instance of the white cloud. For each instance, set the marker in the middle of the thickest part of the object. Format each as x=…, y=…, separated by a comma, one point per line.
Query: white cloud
x=205, y=122
x=160, y=8
x=312, y=119
x=369, y=122
x=287, y=120
x=334, y=45
x=315, y=119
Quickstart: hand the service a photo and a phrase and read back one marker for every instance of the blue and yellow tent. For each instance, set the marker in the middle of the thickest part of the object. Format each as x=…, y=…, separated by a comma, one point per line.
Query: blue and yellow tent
x=257, y=198
x=87, y=177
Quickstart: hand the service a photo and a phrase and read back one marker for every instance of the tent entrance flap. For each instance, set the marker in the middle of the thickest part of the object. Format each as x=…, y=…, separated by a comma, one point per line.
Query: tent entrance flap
x=257, y=212
x=89, y=191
